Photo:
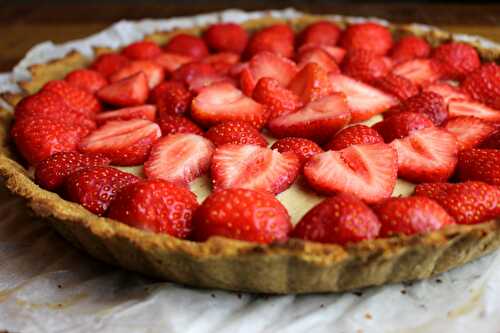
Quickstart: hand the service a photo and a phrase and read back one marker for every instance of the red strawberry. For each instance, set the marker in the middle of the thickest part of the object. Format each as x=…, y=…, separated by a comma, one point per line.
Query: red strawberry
x=354, y=135
x=156, y=206
x=95, y=187
x=277, y=99
x=109, y=63
x=147, y=112
x=468, y=203
x=479, y=164
x=320, y=33
x=266, y=64
x=369, y=36
x=76, y=98
x=398, y=86
x=411, y=215
x=253, y=167
x=188, y=72
x=366, y=66
x=311, y=83
x=448, y=92
x=222, y=102
x=179, y=158
x=222, y=62
x=38, y=138
x=320, y=57
x=427, y=155
x=226, y=37
x=363, y=100
x=86, y=79
x=142, y=50
x=368, y=171
x=235, y=132
x=187, y=45
x=277, y=39
x=427, y=103
x=52, y=171
x=125, y=142
x=317, y=121
x=172, y=61
x=401, y=125
x=154, y=72
x=171, y=124
x=200, y=82
x=410, y=48
x=340, y=219
x=171, y=97
x=484, y=85
x=421, y=72
x=458, y=59
x=457, y=108
x=492, y=142
x=469, y=131
x=259, y=217
x=337, y=53
x=130, y=91
x=303, y=148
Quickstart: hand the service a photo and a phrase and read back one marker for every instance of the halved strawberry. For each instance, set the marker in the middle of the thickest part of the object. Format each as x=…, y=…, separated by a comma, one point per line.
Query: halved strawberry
x=76, y=98
x=222, y=62
x=427, y=155
x=304, y=148
x=366, y=66
x=318, y=120
x=147, y=112
x=457, y=59
x=484, y=84
x=479, y=164
x=172, y=61
x=340, y=219
x=337, y=53
x=95, y=187
x=411, y=215
x=226, y=37
x=277, y=39
x=421, y=72
x=222, y=102
x=354, y=135
x=410, y=48
x=125, y=142
x=172, y=97
x=109, y=63
x=369, y=36
x=447, y=91
x=457, y=108
x=266, y=64
x=468, y=202
x=398, y=86
x=130, y=91
x=188, y=72
x=242, y=214
x=368, y=171
x=154, y=72
x=363, y=100
x=277, y=99
x=202, y=81
x=311, y=83
x=253, y=167
x=142, y=50
x=469, y=131
x=172, y=123
x=401, y=125
x=179, y=158
x=320, y=33
x=320, y=57
x=493, y=141
x=235, y=132
x=86, y=79
x=188, y=45
x=427, y=103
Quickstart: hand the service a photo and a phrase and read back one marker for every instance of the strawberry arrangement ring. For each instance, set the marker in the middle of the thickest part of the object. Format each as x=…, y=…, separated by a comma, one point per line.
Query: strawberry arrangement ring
x=274, y=156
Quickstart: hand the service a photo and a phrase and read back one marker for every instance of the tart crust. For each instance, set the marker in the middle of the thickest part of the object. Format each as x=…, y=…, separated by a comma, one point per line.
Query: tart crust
x=293, y=267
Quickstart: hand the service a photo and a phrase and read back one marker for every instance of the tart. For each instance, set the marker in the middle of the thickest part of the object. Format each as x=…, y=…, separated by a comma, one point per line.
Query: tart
x=312, y=154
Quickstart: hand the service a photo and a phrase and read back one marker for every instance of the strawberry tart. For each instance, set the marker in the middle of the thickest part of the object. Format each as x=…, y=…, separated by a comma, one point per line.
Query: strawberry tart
x=314, y=154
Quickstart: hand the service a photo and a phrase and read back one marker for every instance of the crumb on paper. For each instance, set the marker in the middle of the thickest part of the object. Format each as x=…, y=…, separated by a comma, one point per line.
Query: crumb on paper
x=368, y=316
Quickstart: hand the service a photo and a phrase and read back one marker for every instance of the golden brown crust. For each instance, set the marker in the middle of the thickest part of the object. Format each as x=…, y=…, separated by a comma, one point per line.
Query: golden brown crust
x=293, y=267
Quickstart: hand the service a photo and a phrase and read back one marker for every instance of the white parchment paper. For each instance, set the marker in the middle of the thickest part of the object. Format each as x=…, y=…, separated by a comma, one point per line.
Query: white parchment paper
x=48, y=286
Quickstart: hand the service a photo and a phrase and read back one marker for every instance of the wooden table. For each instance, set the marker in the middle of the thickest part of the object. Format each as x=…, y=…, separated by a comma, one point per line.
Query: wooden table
x=26, y=24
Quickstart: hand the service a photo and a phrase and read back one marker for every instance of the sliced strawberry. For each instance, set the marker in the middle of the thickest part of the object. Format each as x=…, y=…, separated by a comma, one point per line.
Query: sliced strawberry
x=410, y=48
x=154, y=72
x=172, y=97
x=366, y=66
x=253, y=167
x=401, y=125
x=76, y=98
x=468, y=202
x=172, y=61
x=427, y=155
x=226, y=37
x=130, y=91
x=317, y=121
x=493, y=141
x=311, y=83
x=304, y=148
x=320, y=57
x=484, y=85
x=369, y=36
x=52, y=171
x=340, y=219
x=469, y=131
x=147, y=112
x=447, y=91
x=142, y=50
x=458, y=59
x=427, y=103
x=277, y=39
x=337, y=53
x=109, y=63
x=179, y=158
x=235, y=132
x=398, y=86
x=368, y=171
x=457, y=108
x=354, y=135
x=86, y=79
x=223, y=102
x=479, y=164
x=125, y=142
x=277, y=99
x=421, y=72
x=363, y=100
x=172, y=123
x=188, y=45
x=95, y=187
x=320, y=33
x=217, y=216
x=411, y=215
x=200, y=82
x=222, y=62
x=188, y=72
x=155, y=206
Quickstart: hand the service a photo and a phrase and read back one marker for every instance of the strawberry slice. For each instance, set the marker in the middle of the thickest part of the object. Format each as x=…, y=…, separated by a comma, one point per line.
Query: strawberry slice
x=253, y=167
x=427, y=155
x=172, y=61
x=354, y=135
x=235, y=132
x=171, y=97
x=222, y=102
x=188, y=45
x=398, y=86
x=469, y=131
x=154, y=72
x=320, y=57
x=447, y=91
x=125, y=142
x=368, y=171
x=483, y=84
x=179, y=158
x=130, y=91
x=493, y=141
x=226, y=37
x=76, y=98
x=421, y=72
x=427, y=103
x=311, y=83
x=277, y=39
x=363, y=100
x=277, y=99
x=401, y=125
x=147, y=112
x=317, y=121
x=109, y=63
x=468, y=202
x=222, y=62
x=188, y=72
x=479, y=164
x=369, y=36
x=303, y=148
x=142, y=50
x=86, y=79
x=458, y=108
x=266, y=64
x=366, y=66
x=202, y=81
x=337, y=53
x=172, y=123
x=410, y=48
